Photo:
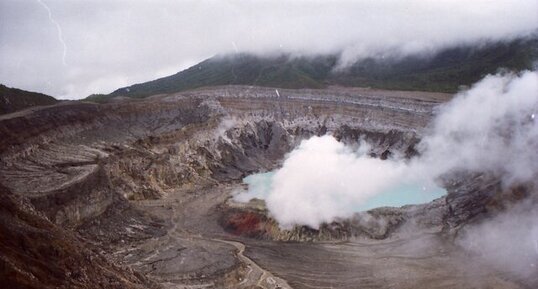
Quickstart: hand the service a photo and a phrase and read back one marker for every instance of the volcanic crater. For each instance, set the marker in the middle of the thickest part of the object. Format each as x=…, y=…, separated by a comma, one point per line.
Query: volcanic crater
x=142, y=190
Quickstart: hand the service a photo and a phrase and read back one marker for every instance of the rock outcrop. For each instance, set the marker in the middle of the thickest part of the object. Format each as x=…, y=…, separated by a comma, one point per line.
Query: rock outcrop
x=38, y=254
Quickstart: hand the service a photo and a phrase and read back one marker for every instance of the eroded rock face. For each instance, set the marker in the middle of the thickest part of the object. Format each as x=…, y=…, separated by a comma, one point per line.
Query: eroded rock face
x=38, y=254
x=147, y=181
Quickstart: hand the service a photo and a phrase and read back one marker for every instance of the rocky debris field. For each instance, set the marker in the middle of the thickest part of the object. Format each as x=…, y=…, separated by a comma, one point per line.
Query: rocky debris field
x=136, y=194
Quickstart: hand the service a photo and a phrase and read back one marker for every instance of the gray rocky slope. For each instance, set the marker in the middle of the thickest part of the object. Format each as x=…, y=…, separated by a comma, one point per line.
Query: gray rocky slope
x=147, y=182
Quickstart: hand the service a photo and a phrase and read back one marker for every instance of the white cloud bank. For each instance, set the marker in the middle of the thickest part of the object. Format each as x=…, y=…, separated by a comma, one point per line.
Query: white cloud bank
x=110, y=44
x=492, y=127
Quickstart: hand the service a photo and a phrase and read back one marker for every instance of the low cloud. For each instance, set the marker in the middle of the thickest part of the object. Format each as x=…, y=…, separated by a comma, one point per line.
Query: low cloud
x=110, y=44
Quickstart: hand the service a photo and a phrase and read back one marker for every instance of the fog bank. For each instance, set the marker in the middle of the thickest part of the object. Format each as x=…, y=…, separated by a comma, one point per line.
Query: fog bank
x=74, y=48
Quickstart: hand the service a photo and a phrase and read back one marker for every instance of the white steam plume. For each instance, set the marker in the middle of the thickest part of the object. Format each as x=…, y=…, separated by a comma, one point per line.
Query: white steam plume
x=489, y=128
x=323, y=179
x=225, y=124
x=508, y=242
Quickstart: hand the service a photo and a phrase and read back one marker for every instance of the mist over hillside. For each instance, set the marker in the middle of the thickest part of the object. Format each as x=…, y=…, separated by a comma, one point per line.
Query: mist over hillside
x=444, y=71
x=72, y=49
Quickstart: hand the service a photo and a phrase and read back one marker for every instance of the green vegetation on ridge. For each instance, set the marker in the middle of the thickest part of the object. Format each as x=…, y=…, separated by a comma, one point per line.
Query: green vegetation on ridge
x=445, y=71
x=13, y=99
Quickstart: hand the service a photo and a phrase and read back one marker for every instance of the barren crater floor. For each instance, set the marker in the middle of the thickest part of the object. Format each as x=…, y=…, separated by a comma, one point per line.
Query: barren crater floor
x=147, y=184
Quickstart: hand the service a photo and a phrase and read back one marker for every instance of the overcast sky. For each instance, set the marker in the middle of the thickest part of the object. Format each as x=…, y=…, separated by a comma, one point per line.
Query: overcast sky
x=70, y=49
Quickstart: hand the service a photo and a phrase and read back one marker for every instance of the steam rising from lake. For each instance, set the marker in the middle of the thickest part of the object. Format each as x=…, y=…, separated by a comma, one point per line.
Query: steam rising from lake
x=488, y=128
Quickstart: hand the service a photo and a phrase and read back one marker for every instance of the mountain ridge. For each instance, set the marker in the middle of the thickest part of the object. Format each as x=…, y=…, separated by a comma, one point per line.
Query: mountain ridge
x=14, y=99
x=444, y=71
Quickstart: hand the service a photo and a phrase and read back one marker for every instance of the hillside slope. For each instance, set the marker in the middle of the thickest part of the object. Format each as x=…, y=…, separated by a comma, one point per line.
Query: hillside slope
x=35, y=253
x=442, y=72
x=13, y=99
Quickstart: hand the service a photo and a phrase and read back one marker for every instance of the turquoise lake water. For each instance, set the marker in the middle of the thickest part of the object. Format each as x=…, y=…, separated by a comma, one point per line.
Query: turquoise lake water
x=259, y=186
